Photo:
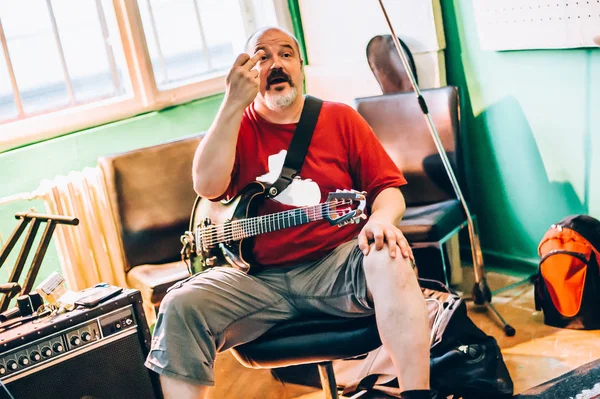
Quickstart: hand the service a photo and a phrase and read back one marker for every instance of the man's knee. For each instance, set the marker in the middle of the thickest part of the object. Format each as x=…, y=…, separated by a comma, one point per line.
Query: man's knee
x=181, y=302
x=378, y=264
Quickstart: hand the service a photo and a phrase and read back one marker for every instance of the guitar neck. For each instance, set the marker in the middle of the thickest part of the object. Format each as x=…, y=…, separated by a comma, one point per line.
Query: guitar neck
x=277, y=221
x=245, y=228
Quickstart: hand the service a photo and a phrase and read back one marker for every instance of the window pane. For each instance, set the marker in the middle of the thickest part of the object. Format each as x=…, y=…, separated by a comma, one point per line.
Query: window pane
x=94, y=64
x=90, y=59
x=220, y=36
x=8, y=108
x=33, y=53
x=188, y=39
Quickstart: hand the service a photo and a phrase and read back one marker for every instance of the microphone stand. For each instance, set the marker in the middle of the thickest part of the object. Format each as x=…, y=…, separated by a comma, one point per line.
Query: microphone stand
x=481, y=292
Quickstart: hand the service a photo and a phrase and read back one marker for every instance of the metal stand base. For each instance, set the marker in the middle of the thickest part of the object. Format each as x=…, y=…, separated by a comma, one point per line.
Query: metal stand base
x=482, y=296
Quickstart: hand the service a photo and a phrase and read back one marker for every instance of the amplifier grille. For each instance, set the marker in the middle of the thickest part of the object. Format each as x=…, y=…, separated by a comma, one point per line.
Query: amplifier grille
x=114, y=370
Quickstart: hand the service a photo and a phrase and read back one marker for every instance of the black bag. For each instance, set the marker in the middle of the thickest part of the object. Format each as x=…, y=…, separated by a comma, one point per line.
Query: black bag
x=465, y=362
x=567, y=287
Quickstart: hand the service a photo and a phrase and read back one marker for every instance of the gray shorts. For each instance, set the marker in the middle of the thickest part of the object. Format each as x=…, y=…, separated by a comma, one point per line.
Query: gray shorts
x=222, y=307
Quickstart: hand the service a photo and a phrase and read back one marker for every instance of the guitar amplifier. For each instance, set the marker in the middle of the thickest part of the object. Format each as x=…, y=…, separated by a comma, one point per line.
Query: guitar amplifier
x=95, y=353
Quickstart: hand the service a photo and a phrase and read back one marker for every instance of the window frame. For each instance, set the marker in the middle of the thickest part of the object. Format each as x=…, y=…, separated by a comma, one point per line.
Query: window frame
x=144, y=95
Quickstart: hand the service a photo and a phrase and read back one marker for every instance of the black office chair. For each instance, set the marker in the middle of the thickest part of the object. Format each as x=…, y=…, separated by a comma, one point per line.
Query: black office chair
x=433, y=214
x=312, y=341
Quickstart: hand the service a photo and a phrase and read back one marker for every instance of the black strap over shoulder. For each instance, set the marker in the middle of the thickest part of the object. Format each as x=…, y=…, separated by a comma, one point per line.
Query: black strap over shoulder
x=299, y=145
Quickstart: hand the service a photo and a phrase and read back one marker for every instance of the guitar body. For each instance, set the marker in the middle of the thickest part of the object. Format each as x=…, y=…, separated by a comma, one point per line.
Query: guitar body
x=221, y=233
x=207, y=213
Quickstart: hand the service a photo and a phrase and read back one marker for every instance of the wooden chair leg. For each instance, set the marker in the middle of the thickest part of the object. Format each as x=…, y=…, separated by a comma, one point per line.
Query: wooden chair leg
x=328, y=380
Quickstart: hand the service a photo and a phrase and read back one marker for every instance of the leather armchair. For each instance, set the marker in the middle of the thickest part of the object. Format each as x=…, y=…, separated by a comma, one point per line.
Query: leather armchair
x=151, y=195
x=434, y=213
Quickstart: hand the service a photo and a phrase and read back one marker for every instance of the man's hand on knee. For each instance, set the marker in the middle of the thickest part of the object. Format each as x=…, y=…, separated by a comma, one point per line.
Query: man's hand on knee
x=381, y=232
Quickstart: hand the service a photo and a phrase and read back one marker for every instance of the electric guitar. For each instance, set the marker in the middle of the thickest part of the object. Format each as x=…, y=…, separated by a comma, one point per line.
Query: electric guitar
x=220, y=232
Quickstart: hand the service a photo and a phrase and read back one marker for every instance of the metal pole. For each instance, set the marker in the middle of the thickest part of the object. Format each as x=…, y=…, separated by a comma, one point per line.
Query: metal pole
x=475, y=247
x=481, y=292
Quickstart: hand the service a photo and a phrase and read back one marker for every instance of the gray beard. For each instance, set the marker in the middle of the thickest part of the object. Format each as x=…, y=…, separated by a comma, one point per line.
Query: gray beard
x=277, y=101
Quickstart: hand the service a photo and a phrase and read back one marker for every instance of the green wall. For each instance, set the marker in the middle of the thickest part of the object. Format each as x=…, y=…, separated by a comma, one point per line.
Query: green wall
x=532, y=122
x=21, y=170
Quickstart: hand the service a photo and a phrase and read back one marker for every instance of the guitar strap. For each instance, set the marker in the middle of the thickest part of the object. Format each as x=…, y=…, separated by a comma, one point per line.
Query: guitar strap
x=299, y=145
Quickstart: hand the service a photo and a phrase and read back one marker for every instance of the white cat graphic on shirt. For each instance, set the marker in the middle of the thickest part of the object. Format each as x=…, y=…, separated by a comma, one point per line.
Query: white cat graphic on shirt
x=300, y=192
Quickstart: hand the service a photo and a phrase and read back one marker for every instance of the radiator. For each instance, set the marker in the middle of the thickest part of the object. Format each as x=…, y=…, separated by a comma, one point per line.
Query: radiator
x=90, y=252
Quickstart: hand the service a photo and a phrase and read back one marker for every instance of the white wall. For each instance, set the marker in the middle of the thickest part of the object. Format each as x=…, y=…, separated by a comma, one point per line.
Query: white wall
x=337, y=33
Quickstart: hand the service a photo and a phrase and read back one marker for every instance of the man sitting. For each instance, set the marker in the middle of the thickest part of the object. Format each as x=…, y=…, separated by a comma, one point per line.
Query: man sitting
x=314, y=268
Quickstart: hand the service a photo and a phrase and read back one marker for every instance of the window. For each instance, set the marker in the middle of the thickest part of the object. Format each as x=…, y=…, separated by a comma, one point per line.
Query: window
x=61, y=54
x=66, y=65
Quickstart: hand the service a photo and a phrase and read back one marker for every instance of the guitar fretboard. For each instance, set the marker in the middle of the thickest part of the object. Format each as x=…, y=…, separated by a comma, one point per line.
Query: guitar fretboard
x=240, y=229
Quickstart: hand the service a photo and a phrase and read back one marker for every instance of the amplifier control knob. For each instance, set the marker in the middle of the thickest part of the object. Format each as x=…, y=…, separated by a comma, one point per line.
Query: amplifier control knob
x=2, y=370
x=35, y=356
x=58, y=347
x=46, y=351
x=23, y=360
x=12, y=365
x=86, y=336
x=75, y=340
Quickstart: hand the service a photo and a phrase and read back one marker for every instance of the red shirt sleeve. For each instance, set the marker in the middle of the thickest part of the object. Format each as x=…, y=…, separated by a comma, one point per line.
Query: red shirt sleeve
x=372, y=168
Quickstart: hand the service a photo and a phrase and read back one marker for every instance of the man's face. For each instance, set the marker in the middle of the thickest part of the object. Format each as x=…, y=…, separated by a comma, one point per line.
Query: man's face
x=280, y=69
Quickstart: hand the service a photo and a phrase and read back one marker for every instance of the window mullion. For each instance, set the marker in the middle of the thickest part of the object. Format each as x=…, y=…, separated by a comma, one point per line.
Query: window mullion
x=108, y=47
x=136, y=53
x=205, y=49
x=63, y=62
x=247, y=10
x=11, y=73
x=161, y=58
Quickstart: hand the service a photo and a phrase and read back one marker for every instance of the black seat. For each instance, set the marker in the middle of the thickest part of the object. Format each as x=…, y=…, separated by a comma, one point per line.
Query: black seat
x=318, y=340
x=431, y=223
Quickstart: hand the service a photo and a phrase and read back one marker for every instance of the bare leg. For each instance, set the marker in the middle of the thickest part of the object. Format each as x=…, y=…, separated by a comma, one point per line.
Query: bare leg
x=402, y=317
x=177, y=389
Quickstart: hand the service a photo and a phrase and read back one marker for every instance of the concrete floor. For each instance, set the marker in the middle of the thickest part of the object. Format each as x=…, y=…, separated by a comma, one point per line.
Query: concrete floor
x=537, y=353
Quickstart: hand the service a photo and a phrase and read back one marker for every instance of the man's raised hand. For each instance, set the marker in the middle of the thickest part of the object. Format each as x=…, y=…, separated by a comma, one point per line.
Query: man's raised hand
x=243, y=81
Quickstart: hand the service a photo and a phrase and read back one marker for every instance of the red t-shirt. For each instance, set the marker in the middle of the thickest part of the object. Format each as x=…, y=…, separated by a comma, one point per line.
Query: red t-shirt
x=344, y=153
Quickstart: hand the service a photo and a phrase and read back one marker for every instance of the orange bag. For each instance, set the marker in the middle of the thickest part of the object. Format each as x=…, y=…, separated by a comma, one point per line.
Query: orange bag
x=567, y=287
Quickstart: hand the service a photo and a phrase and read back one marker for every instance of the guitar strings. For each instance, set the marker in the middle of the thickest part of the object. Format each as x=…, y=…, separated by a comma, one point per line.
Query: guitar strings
x=238, y=229
x=249, y=226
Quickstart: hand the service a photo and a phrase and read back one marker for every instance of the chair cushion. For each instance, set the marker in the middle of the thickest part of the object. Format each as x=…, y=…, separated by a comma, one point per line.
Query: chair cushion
x=431, y=223
x=313, y=340
x=154, y=280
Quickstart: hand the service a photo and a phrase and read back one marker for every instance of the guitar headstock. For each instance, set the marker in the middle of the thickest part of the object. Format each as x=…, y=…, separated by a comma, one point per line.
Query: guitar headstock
x=345, y=207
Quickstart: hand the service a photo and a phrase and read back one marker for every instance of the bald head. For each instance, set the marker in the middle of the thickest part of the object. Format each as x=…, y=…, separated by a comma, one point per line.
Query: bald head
x=253, y=39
